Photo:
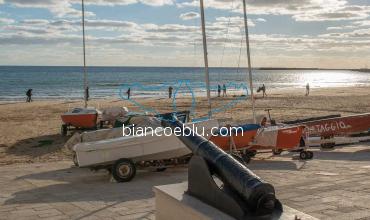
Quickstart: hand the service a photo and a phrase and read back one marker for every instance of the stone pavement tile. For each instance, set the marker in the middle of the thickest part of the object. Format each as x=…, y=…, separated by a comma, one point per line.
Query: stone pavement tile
x=142, y=215
x=23, y=212
x=137, y=210
x=29, y=217
x=151, y=216
x=80, y=194
x=49, y=213
x=304, y=198
x=7, y=208
x=355, y=215
x=288, y=195
x=59, y=217
x=67, y=208
x=317, y=208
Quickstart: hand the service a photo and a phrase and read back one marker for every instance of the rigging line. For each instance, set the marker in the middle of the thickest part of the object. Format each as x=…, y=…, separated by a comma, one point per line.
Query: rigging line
x=84, y=53
x=195, y=63
x=240, y=51
x=226, y=35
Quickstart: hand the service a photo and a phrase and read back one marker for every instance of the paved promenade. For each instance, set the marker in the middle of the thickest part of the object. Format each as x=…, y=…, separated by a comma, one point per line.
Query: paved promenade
x=335, y=185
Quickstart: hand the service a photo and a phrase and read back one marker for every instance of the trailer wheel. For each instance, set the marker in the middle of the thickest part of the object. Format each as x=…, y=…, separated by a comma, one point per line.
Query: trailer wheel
x=64, y=129
x=246, y=158
x=123, y=170
x=310, y=154
x=304, y=155
x=277, y=151
x=250, y=153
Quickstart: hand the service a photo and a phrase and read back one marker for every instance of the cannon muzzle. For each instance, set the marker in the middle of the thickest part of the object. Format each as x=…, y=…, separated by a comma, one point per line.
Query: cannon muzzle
x=258, y=195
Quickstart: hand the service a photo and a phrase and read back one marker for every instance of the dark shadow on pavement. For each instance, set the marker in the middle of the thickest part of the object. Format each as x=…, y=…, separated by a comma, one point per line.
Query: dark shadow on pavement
x=75, y=185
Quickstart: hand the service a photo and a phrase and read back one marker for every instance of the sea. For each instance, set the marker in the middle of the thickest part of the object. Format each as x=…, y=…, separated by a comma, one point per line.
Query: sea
x=66, y=82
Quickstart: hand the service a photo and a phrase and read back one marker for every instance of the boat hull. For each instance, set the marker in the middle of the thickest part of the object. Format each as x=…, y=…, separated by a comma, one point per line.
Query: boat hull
x=339, y=126
x=281, y=138
x=80, y=120
x=137, y=148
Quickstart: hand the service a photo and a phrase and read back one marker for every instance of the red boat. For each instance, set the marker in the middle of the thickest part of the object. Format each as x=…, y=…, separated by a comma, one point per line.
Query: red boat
x=339, y=126
x=80, y=118
x=254, y=138
x=345, y=125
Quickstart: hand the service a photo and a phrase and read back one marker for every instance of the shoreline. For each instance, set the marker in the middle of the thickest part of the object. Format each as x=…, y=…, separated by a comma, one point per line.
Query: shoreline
x=272, y=91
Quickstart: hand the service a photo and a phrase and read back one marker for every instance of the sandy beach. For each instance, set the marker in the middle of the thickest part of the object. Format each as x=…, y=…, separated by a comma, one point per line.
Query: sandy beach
x=30, y=132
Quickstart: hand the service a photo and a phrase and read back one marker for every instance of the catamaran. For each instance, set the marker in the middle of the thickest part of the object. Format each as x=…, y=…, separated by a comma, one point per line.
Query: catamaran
x=81, y=118
x=254, y=137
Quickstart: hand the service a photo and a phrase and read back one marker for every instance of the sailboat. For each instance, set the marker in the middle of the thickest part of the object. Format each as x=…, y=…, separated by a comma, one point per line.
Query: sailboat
x=254, y=137
x=86, y=117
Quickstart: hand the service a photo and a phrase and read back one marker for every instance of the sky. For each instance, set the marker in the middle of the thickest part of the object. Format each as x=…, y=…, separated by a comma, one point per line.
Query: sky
x=283, y=33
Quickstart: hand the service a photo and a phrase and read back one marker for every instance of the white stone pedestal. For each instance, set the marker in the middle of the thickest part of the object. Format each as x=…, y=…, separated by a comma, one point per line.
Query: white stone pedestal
x=172, y=203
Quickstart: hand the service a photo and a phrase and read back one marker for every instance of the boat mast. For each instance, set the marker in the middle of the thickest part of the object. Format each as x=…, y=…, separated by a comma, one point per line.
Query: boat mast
x=249, y=60
x=205, y=52
x=84, y=54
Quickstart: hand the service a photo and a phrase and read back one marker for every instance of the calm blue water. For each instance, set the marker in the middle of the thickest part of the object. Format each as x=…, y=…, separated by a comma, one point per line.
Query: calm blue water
x=67, y=82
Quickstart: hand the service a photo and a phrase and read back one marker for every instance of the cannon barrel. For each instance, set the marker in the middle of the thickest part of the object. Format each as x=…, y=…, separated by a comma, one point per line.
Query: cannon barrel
x=259, y=195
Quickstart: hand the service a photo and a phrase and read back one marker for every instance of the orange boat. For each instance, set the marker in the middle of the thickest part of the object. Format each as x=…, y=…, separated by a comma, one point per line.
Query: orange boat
x=346, y=125
x=329, y=128
x=253, y=137
x=80, y=118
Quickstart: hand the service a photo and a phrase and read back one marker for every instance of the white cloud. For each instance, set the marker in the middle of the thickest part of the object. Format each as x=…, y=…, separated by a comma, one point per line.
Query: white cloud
x=57, y=7
x=261, y=20
x=362, y=23
x=300, y=10
x=6, y=21
x=189, y=15
x=63, y=8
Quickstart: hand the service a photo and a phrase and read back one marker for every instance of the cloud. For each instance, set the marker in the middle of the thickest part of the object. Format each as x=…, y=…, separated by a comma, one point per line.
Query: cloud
x=300, y=10
x=189, y=15
x=261, y=20
x=6, y=21
x=57, y=7
x=64, y=8
x=362, y=23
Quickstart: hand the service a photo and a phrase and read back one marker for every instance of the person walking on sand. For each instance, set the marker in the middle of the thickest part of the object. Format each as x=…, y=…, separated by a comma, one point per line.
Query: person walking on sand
x=128, y=93
x=219, y=90
x=264, y=91
x=307, y=89
x=29, y=95
x=87, y=94
x=170, y=89
x=224, y=90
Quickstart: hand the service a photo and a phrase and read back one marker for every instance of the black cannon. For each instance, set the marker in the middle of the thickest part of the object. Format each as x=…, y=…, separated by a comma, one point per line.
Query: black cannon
x=219, y=180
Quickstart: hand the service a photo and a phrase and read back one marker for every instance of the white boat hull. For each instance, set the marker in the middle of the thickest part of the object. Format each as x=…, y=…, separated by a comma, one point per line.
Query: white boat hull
x=136, y=148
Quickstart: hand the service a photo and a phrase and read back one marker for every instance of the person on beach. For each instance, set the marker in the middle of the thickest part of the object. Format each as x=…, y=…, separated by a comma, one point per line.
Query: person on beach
x=170, y=89
x=87, y=94
x=128, y=93
x=307, y=89
x=264, y=91
x=29, y=95
x=219, y=90
x=224, y=90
